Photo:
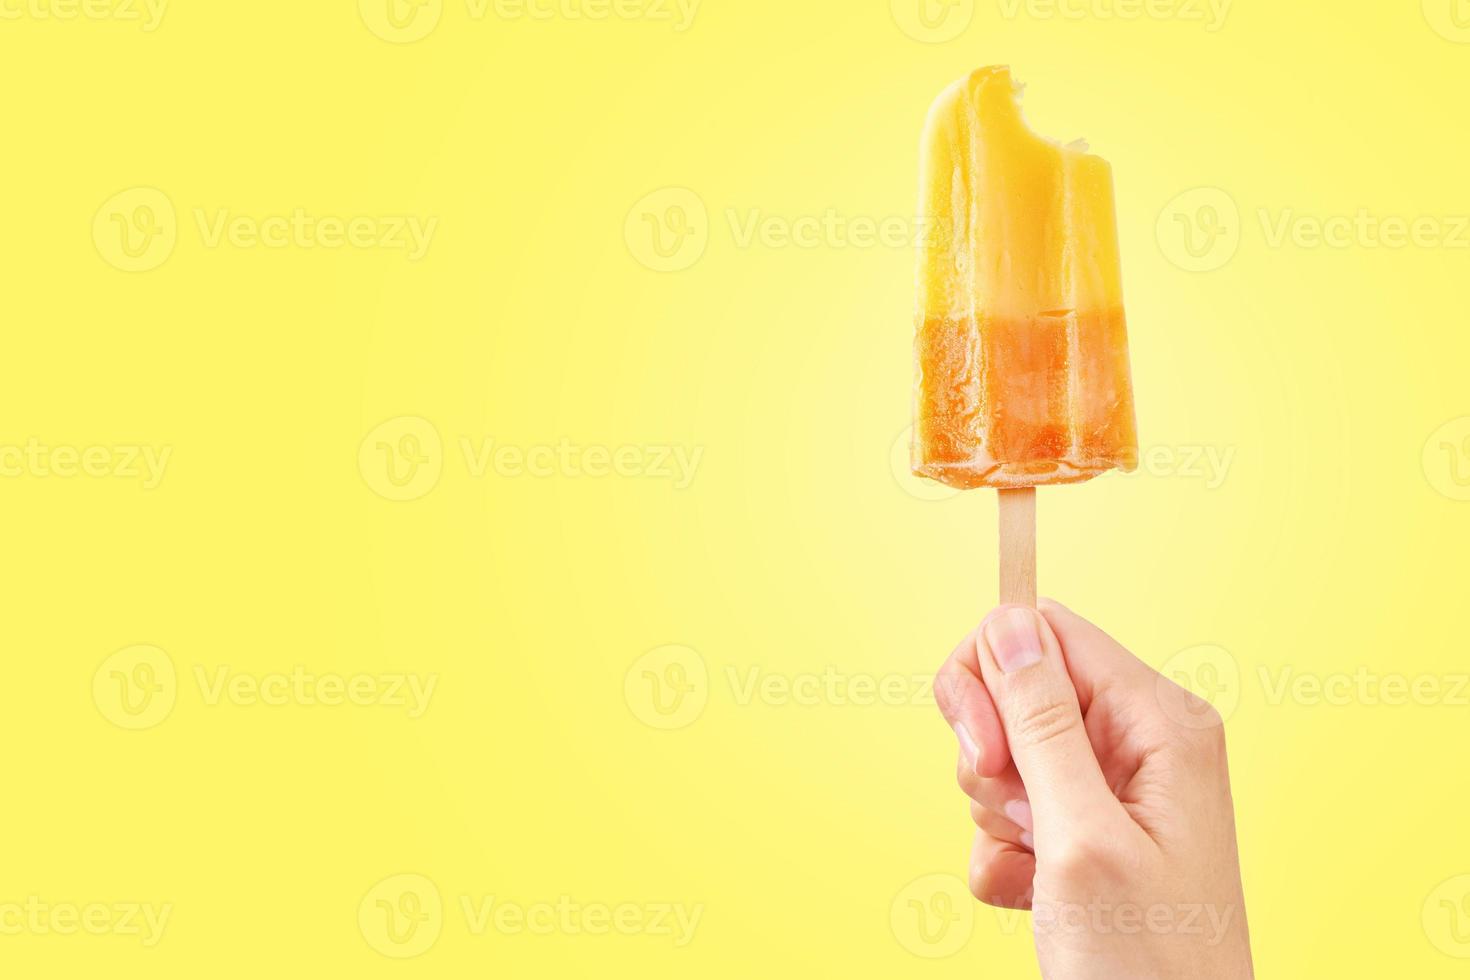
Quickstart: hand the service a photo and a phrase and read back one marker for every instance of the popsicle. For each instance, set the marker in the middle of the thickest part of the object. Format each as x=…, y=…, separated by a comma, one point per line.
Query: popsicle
x=1020, y=342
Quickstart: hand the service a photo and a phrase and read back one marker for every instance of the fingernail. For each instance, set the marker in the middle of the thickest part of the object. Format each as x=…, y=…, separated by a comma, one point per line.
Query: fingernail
x=968, y=748
x=1018, y=812
x=1013, y=639
x=1027, y=840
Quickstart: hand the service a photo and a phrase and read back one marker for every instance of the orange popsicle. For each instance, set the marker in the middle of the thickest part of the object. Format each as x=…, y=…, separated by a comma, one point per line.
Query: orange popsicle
x=1021, y=344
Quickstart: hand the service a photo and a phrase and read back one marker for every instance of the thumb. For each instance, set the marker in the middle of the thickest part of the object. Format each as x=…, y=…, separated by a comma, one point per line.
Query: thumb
x=1026, y=674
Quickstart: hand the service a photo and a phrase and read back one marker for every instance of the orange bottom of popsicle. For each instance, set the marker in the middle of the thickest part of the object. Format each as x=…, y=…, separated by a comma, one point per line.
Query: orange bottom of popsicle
x=1013, y=402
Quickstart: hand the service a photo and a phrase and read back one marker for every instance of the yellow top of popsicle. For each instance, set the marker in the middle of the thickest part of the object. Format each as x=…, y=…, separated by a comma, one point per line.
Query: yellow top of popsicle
x=1015, y=240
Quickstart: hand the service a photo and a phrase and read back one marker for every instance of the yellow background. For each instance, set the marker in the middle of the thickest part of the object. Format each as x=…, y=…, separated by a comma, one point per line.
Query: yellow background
x=1332, y=545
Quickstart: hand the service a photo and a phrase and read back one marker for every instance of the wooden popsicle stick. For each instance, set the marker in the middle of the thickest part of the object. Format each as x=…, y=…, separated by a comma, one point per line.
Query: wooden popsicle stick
x=1018, y=547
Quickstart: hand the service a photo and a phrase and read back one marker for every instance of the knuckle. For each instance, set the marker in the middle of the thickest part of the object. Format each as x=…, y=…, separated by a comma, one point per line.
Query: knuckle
x=1207, y=745
x=1202, y=711
x=1085, y=857
x=1046, y=722
x=1212, y=723
x=1187, y=709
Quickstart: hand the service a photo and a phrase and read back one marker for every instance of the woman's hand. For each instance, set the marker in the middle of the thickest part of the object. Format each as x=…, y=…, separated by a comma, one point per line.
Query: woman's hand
x=1102, y=797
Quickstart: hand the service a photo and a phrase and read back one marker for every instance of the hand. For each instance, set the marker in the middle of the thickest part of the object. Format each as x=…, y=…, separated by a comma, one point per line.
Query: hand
x=1103, y=800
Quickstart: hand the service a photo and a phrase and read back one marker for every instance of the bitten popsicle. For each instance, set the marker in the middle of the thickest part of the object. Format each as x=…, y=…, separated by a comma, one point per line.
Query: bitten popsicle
x=1020, y=340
